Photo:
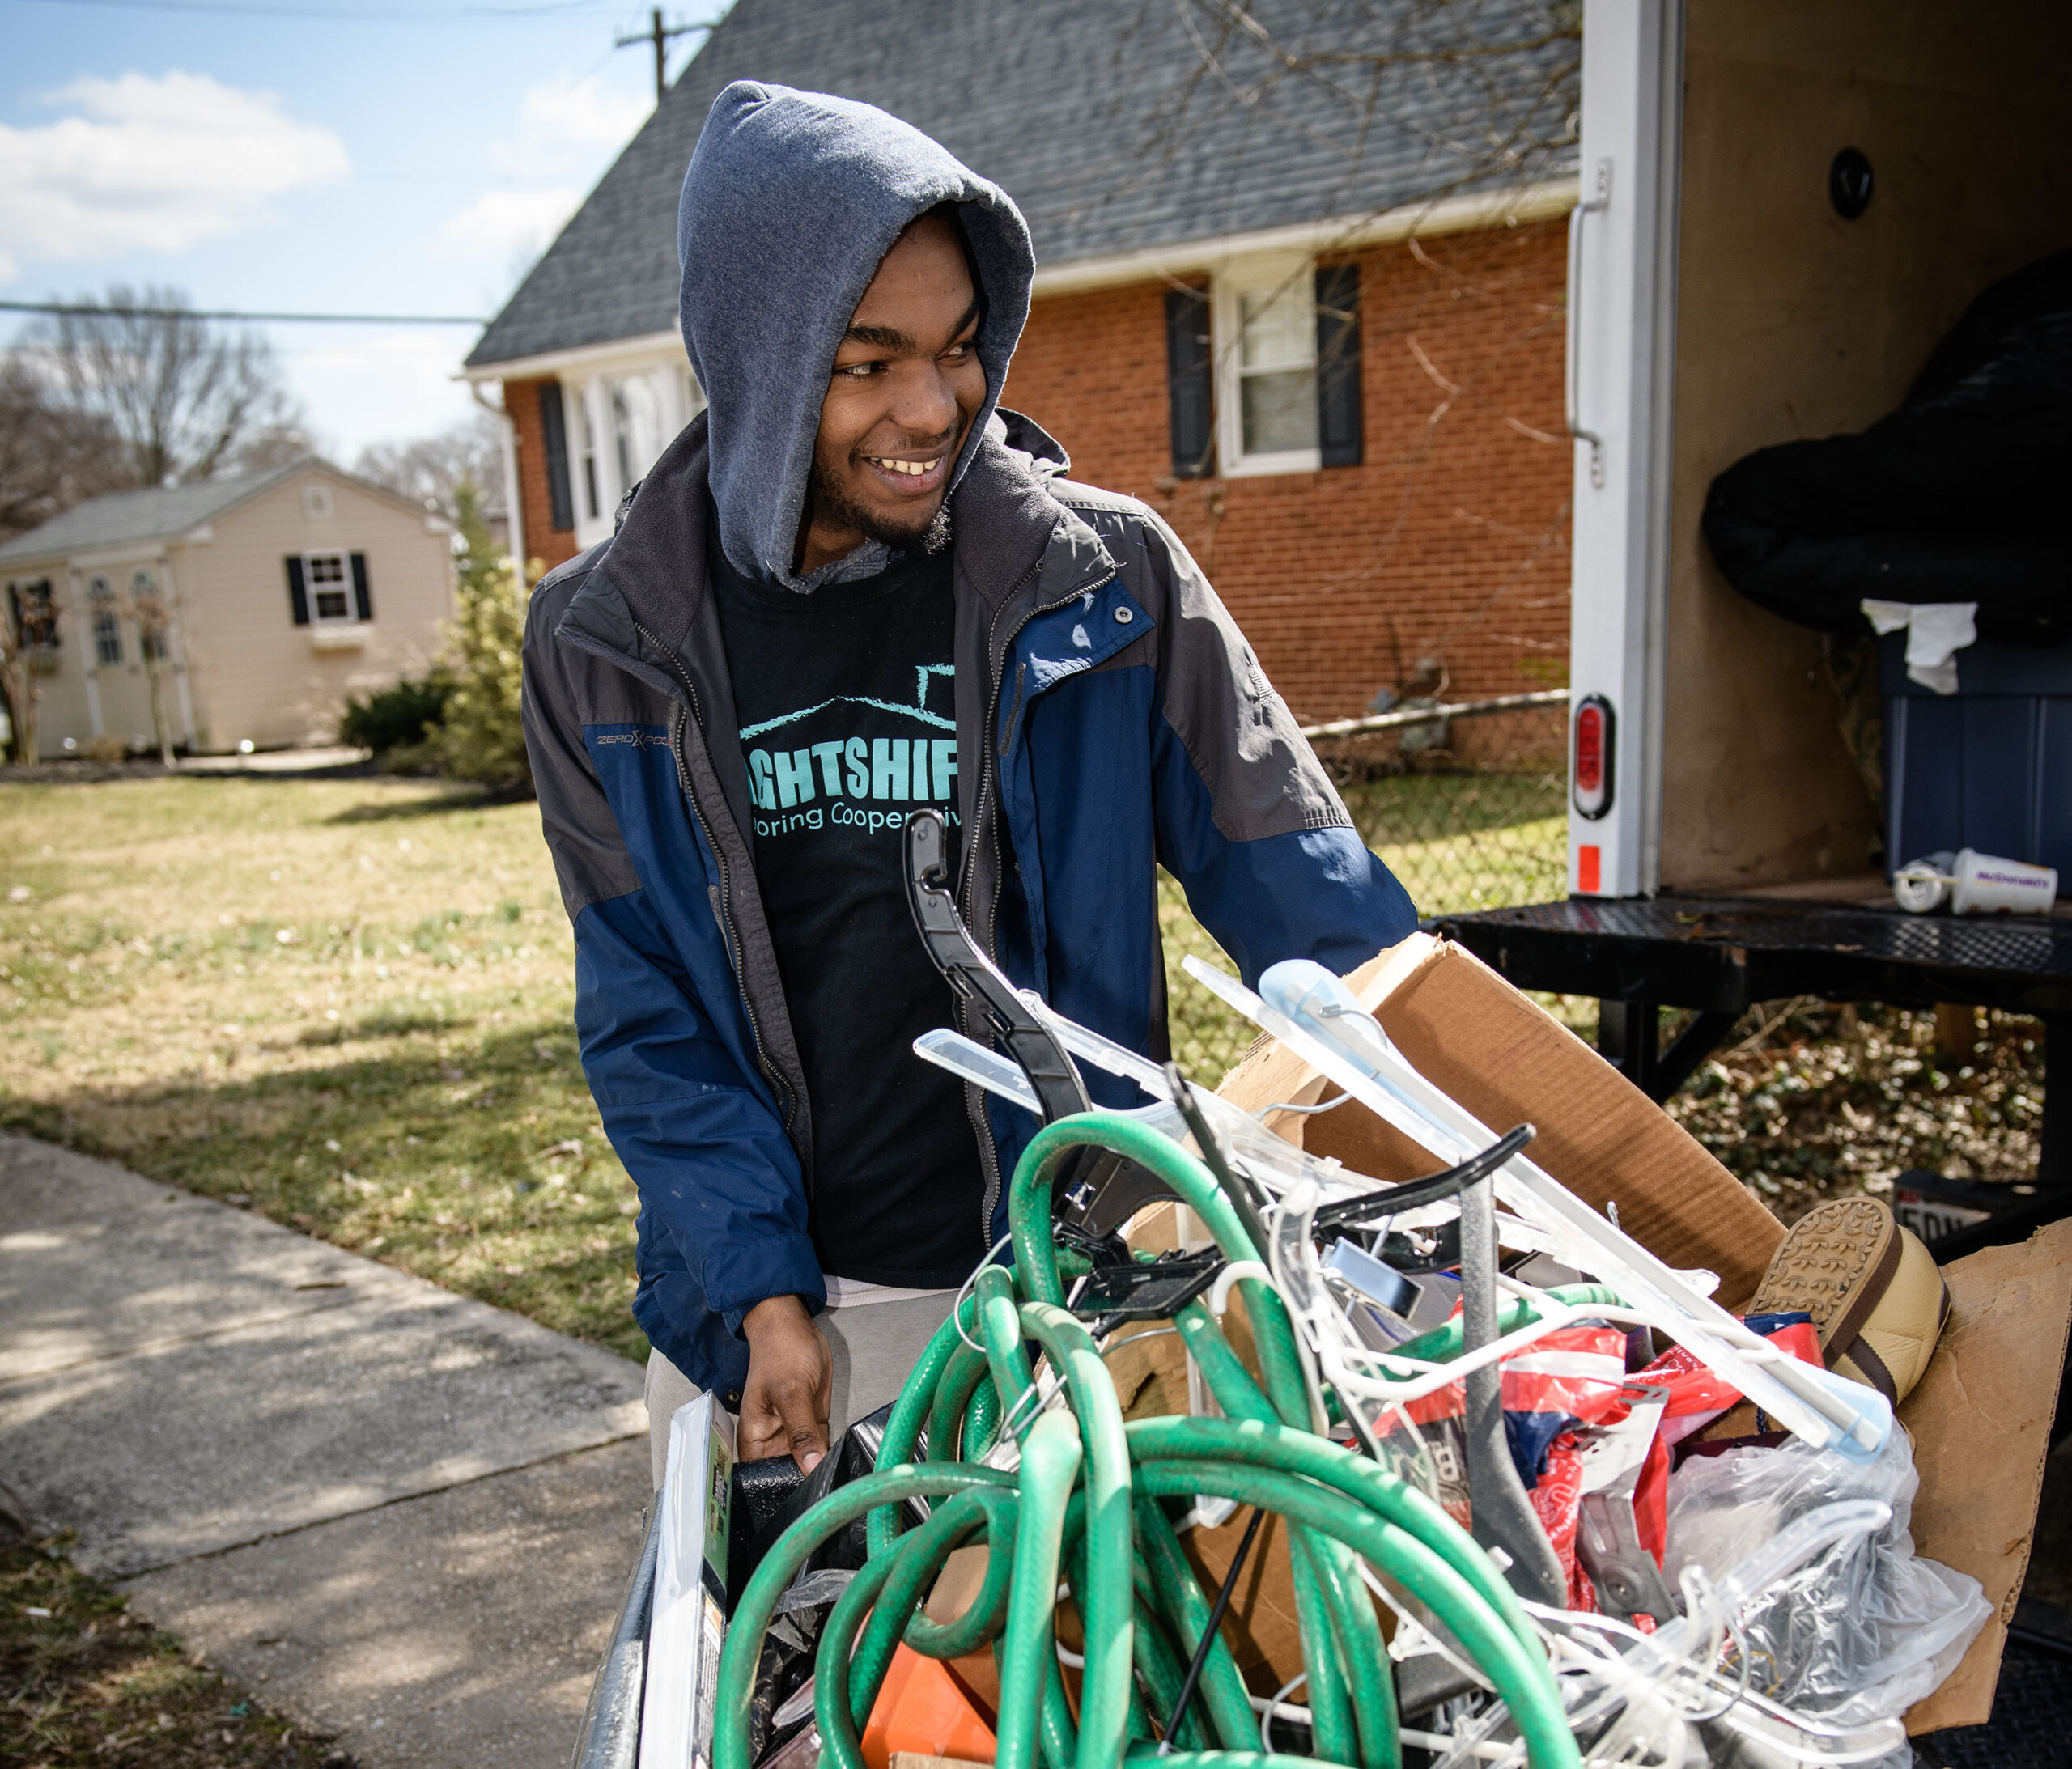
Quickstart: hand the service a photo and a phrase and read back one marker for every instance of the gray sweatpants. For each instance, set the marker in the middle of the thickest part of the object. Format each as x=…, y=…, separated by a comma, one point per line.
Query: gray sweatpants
x=874, y=1345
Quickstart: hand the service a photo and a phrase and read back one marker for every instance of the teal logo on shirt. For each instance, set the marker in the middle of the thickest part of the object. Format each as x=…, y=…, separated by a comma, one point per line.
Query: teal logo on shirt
x=852, y=781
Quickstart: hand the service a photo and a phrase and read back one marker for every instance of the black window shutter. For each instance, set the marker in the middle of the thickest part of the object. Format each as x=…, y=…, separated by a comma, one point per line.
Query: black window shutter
x=1337, y=365
x=1189, y=385
x=363, y=597
x=298, y=597
x=554, y=433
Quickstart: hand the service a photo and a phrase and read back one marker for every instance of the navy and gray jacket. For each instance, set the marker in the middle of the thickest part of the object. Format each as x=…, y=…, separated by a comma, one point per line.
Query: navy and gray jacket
x=1110, y=719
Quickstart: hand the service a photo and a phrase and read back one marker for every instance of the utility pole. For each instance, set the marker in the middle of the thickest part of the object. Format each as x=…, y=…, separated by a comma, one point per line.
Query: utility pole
x=660, y=36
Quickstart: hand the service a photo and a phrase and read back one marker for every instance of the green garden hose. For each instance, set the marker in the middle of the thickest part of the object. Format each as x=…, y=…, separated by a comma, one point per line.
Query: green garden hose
x=1087, y=1495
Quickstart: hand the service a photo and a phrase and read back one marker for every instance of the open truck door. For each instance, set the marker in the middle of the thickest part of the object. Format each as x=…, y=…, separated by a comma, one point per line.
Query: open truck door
x=1782, y=209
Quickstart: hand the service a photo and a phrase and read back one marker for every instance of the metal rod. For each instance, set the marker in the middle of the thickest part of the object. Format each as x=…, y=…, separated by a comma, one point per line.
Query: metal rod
x=1216, y=1611
x=1426, y=716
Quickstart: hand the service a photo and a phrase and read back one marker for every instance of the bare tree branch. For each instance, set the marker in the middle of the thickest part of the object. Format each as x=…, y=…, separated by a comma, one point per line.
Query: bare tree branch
x=50, y=457
x=433, y=468
x=185, y=399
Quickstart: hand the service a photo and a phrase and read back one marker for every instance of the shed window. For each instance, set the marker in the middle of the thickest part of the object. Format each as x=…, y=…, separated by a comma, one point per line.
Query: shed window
x=35, y=613
x=107, y=621
x=151, y=617
x=330, y=586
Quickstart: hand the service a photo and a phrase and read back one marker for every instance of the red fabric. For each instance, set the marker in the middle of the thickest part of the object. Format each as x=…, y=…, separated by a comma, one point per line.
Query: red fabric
x=1697, y=1396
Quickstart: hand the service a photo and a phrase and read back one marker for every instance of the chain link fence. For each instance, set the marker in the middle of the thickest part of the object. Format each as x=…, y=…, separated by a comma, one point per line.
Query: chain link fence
x=1465, y=804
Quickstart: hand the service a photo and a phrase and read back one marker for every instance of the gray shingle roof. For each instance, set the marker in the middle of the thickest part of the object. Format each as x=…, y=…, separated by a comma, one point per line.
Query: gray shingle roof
x=1117, y=125
x=159, y=512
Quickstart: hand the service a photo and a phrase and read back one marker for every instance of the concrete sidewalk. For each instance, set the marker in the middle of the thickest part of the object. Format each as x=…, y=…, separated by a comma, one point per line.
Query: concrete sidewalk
x=399, y=1515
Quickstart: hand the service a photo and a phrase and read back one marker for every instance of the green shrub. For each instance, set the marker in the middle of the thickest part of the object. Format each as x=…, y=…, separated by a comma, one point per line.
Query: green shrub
x=399, y=716
x=481, y=738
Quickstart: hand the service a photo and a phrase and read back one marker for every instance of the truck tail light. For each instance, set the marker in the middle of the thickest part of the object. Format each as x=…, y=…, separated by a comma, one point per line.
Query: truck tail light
x=1591, y=756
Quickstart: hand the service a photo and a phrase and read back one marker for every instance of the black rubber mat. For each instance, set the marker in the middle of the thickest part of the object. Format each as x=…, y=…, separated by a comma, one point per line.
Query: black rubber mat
x=2031, y=1724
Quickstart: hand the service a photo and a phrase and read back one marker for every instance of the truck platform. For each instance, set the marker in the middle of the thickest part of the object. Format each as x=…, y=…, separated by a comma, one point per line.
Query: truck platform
x=1718, y=956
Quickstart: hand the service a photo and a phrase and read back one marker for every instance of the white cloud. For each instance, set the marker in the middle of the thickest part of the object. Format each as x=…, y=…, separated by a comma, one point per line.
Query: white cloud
x=574, y=113
x=568, y=130
x=361, y=387
x=158, y=165
x=510, y=223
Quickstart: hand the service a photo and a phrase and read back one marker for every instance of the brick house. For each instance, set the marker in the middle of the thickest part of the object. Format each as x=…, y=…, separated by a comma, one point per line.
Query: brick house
x=1306, y=313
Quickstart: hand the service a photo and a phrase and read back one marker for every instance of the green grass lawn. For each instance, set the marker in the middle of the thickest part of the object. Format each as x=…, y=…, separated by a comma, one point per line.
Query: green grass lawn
x=346, y=1003
x=87, y=1684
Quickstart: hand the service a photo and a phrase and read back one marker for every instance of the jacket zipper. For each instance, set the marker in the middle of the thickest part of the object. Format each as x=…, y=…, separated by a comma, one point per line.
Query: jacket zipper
x=777, y=1082
x=988, y=1155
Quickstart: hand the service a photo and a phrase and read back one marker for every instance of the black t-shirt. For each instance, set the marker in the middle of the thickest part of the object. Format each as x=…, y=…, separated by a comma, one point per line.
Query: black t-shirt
x=844, y=699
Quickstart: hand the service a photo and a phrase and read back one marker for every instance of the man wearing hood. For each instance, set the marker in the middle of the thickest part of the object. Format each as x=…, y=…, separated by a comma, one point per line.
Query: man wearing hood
x=853, y=587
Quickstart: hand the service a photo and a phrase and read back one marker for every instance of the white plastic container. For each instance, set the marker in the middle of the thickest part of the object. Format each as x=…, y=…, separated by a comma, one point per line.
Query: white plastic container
x=1975, y=884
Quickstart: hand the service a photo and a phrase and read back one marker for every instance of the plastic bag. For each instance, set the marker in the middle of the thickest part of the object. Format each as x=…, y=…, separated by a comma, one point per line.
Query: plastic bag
x=1861, y=1633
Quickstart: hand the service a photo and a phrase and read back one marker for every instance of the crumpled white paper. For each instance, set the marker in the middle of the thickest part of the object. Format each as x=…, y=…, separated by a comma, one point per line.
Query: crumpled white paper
x=1936, y=632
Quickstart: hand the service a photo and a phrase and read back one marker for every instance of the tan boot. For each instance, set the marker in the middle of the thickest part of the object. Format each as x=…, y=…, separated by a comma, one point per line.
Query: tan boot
x=1877, y=1299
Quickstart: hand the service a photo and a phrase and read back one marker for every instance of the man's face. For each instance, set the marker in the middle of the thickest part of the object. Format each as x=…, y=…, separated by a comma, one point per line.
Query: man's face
x=906, y=385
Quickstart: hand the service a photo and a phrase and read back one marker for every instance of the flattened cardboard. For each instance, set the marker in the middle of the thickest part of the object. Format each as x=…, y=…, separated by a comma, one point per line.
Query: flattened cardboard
x=1149, y=1369
x=1509, y=1062
x=1980, y=1417
x=1981, y=1421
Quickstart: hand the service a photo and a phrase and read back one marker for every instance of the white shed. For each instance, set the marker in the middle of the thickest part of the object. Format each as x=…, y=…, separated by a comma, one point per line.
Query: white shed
x=284, y=593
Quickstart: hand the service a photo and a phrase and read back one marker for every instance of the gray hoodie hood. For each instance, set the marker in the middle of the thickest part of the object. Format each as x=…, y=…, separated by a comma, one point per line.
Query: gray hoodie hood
x=791, y=201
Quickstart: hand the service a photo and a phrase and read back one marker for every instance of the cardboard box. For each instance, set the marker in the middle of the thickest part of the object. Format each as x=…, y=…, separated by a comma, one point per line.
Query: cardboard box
x=1509, y=1062
x=1980, y=1417
x=1981, y=1423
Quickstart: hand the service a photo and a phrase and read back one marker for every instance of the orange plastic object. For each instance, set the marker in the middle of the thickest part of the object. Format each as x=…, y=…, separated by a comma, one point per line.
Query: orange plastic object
x=920, y=1709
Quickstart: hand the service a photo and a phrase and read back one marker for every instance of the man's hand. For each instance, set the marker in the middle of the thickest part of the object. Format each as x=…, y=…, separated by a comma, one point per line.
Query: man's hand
x=791, y=1379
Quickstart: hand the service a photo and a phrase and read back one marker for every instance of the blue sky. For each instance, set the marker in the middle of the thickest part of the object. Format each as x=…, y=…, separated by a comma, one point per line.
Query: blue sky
x=339, y=155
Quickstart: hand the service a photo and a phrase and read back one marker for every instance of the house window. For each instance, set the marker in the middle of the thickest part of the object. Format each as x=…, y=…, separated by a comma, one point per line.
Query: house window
x=637, y=438
x=107, y=621
x=330, y=587
x=1266, y=327
x=589, y=458
x=316, y=501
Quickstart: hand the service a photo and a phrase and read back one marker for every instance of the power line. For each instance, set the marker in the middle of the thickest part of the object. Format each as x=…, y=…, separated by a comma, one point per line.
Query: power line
x=88, y=310
x=257, y=9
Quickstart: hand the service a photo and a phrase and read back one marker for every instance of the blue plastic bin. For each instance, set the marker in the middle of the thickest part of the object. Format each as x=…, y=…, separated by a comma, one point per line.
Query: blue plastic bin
x=1989, y=767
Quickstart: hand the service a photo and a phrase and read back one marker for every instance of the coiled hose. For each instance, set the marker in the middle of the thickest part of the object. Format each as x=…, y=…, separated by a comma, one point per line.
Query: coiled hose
x=1084, y=1502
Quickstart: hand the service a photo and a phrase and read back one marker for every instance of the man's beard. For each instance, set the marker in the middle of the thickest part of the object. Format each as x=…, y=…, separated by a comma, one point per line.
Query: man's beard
x=825, y=502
